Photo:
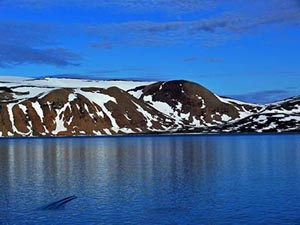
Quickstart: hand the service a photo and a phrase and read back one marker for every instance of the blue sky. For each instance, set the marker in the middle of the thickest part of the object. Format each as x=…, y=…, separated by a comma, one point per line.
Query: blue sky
x=245, y=49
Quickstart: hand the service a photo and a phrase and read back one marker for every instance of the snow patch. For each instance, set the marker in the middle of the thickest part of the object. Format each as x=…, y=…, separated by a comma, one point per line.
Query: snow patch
x=107, y=131
x=225, y=118
x=29, y=92
x=179, y=106
x=137, y=94
x=23, y=108
x=160, y=106
x=100, y=99
x=127, y=117
x=262, y=119
x=289, y=118
x=127, y=130
x=146, y=115
x=97, y=132
x=71, y=83
x=38, y=109
x=185, y=116
x=71, y=97
x=11, y=116
x=59, y=120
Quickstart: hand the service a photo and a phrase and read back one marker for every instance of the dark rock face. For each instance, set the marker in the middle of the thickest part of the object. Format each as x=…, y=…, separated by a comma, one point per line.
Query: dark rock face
x=173, y=106
x=190, y=98
x=192, y=105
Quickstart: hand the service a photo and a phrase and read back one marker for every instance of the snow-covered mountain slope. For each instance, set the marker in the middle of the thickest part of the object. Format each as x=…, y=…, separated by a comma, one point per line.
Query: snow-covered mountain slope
x=66, y=107
x=23, y=84
x=82, y=111
x=20, y=88
x=283, y=116
x=245, y=109
x=191, y=104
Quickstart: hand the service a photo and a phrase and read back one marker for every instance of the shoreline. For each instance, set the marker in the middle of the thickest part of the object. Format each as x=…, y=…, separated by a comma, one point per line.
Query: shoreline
x=154, y=135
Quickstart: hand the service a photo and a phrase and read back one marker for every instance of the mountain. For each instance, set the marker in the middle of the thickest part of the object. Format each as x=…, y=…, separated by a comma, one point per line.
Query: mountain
x=191, y=104
x=67, y=107
x=283, y=116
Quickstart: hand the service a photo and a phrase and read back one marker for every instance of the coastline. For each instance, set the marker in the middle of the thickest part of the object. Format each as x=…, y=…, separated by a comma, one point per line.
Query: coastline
x=147, y=135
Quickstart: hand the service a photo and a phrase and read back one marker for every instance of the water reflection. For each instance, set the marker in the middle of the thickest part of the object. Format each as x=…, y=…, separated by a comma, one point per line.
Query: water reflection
x=148, y=180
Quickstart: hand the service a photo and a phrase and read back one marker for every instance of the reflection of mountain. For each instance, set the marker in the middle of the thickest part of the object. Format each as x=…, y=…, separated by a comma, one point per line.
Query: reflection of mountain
x=66, y=107
x=141, y=179
x=50, y=168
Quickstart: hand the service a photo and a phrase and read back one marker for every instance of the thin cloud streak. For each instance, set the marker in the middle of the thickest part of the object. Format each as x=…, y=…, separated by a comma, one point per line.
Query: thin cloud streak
x=202, y=31
x=102, y=45
x=205, y=59
x=190, y=59
x=33, y=43
x=16, y=55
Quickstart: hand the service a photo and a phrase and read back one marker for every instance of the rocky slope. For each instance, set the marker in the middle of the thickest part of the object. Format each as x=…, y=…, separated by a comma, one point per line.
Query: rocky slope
x=283, y=116
x=65, y=107
x=192, y=105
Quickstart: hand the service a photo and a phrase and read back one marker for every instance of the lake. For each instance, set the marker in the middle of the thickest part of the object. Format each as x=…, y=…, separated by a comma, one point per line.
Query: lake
x=192, y=179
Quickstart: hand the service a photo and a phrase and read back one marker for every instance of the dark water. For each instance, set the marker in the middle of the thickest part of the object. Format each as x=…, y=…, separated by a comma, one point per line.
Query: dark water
x=152, y=180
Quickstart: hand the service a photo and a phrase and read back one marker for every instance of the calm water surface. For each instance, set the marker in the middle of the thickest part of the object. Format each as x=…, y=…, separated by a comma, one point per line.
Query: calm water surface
x=236, y=179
